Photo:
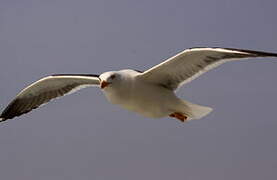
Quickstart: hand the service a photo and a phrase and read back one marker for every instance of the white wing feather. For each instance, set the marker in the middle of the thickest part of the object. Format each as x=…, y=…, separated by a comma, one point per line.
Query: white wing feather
x=46, y=89
x=191, y=63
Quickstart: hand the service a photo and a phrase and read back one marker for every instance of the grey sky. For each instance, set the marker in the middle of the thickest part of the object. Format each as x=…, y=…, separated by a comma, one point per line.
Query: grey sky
x=82, y=136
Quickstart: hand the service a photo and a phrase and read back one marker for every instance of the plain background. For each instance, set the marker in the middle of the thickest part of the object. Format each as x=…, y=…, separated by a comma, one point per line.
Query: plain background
x=83, y=137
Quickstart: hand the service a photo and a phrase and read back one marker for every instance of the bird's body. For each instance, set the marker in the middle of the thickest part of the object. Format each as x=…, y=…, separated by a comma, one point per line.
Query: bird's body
x=133, y=94
x=150, y=93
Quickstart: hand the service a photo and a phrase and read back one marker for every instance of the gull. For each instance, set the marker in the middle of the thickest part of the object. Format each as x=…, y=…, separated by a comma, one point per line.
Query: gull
x=150, y=93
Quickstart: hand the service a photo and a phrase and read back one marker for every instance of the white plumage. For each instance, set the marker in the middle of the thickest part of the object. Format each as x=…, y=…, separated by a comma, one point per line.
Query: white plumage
x=149, y=93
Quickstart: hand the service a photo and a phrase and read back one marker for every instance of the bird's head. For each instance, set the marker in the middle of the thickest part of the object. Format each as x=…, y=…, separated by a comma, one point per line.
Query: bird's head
x=109, y=79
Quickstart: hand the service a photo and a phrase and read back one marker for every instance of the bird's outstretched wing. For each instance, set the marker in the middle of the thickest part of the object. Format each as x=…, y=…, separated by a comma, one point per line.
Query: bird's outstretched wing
x=191, y=63
x=46, y=89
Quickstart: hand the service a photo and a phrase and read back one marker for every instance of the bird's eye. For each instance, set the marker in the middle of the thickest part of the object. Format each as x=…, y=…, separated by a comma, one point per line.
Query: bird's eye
x=113, y=76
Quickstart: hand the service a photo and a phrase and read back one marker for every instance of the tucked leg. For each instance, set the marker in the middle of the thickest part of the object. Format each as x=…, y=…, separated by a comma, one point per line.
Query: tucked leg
x=179, y=116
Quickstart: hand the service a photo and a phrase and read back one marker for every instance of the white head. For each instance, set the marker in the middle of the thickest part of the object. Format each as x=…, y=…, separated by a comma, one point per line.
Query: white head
x=110, y=78
x=116, y=78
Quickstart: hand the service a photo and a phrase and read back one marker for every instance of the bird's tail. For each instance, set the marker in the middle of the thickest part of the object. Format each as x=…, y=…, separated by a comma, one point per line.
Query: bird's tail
x=195, y=111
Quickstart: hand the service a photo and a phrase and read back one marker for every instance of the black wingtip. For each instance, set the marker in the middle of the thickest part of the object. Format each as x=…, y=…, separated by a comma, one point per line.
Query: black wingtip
x=257, y=53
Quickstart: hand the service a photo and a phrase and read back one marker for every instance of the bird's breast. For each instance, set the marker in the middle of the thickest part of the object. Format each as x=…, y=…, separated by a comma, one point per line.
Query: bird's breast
x=146, y=100
x=117, y=96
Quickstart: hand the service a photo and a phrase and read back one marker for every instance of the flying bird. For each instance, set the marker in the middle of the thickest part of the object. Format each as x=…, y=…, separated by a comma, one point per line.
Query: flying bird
x=150, y=93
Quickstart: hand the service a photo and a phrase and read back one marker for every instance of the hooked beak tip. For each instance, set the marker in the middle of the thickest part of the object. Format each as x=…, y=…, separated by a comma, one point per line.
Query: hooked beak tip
x=104, y=84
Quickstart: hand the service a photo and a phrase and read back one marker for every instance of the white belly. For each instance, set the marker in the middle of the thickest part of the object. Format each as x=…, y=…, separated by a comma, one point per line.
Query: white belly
x=150, y=101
